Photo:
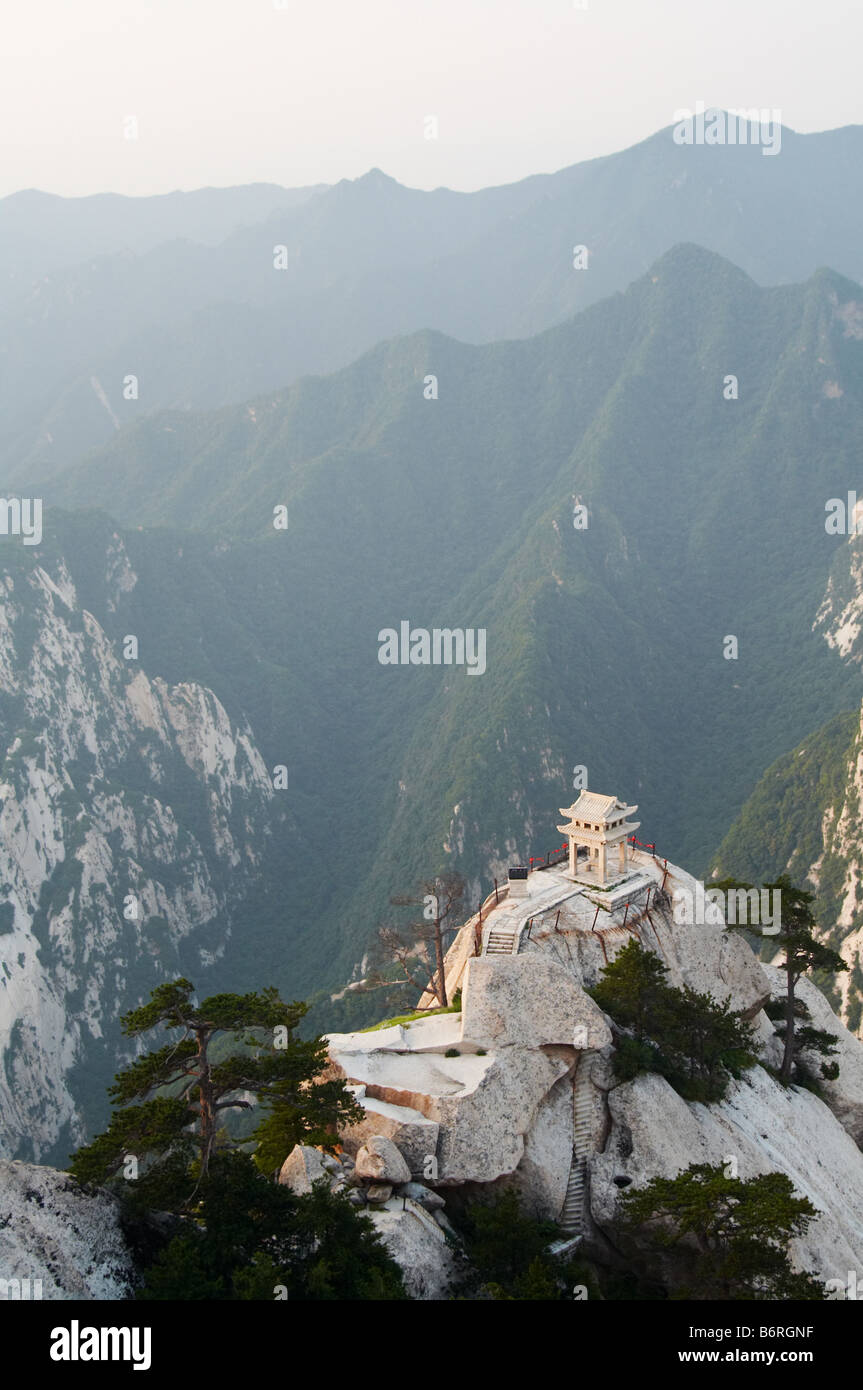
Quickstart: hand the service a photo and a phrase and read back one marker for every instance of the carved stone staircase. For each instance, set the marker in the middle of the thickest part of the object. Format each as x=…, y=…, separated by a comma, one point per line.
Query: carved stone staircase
x=501, y=941
x=572, y=1216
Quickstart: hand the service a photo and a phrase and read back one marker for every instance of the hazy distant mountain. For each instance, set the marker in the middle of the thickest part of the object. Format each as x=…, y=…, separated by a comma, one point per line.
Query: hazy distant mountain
x=200, y=325
x=41, y=233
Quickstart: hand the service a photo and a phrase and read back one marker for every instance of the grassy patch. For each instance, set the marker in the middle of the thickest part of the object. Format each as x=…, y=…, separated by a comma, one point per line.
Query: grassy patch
x=411, y=1018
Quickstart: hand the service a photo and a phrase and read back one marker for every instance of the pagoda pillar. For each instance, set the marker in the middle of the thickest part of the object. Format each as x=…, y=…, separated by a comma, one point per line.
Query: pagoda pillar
x=601, y=864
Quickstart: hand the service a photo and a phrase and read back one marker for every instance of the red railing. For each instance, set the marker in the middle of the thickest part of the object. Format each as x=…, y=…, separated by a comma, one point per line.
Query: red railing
x=652, y=849
x=554, y=856
x=641, y=844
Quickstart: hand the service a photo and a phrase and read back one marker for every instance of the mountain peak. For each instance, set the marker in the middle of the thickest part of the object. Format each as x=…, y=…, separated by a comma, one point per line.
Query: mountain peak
x=378, y=177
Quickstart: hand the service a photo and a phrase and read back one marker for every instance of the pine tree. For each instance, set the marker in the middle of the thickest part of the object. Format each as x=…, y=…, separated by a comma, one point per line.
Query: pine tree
x=236, y=1233
x=803, y=952
x=633, y=988
x=721, y=1237
x=173, y=1099
x=253, y=1239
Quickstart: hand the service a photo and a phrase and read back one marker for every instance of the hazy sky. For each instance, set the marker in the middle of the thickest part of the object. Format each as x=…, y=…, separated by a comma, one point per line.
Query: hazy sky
x=309, y=91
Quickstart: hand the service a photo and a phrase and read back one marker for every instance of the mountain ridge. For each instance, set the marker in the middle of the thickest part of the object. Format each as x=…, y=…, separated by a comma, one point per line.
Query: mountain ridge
x=203, y=326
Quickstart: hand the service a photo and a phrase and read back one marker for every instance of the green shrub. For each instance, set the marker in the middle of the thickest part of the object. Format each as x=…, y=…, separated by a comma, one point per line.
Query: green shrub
x=710, y=1236
x=689, y=1038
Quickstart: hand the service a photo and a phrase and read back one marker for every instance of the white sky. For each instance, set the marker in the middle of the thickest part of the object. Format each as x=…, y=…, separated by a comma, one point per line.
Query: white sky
x=311, y=91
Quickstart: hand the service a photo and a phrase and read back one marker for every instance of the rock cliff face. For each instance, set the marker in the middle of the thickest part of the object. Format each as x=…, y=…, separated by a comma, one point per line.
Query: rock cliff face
x=518, y=1088
x=56, y=1242
x=760, y=1127
x=132, y=816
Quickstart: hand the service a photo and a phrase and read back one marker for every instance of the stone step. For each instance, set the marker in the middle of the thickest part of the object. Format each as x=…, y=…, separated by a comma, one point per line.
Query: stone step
x=571, y=1217
x=565, y=1247
x=500, y=943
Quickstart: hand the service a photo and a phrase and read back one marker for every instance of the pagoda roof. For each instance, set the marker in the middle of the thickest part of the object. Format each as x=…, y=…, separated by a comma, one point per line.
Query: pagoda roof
x=593, y=806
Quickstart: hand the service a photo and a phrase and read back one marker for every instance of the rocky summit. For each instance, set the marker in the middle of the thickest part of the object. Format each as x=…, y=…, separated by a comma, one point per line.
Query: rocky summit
x=515, y=1088
x=518, y=1090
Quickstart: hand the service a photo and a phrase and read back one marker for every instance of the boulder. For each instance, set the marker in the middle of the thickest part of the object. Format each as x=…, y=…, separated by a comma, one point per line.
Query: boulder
x=379, y=1192
x=542, y=1175
x=483, y=1130
x=426, y=1198
x=380, y=1159
x=418, y=1246
x=528, y=1001
x=302, y=1167
x=414, y=1135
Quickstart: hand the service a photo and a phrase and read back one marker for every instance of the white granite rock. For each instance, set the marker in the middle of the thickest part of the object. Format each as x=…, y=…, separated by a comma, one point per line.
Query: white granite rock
x=302, y=1167
x=482, y=1132
x=379, y=1192
x=53, y=1232
x=506, y=1117
x=419, y=1246
x=845, y=1094
x=764, y=1127
x=528, y=1001
x=414, y=1135
x=380, y=1159
x=542, y=1175
x=424, y=1196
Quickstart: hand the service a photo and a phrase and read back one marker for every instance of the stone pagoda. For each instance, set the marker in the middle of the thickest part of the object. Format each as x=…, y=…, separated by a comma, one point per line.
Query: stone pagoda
x=598, y=824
